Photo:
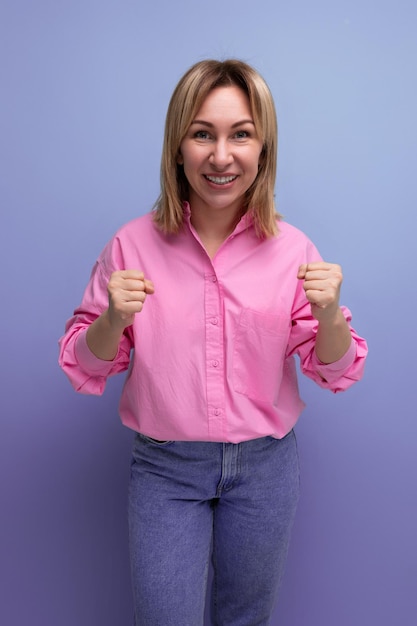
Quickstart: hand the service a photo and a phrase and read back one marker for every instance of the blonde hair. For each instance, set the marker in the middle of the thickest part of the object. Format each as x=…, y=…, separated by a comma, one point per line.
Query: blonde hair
x=185, y=102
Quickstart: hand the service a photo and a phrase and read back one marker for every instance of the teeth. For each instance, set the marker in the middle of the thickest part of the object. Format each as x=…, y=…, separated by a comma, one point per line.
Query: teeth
x=221, y=180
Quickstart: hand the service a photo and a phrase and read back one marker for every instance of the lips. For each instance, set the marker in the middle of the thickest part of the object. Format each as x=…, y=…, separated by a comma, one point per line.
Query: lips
x=220, y=180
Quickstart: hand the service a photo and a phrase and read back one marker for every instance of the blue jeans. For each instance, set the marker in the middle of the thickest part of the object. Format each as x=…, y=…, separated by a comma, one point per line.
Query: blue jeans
x=192, y=500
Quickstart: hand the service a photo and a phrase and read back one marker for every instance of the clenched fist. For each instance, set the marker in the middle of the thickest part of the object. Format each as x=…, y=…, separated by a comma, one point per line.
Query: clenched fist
x=127, y=291
x=322, y=283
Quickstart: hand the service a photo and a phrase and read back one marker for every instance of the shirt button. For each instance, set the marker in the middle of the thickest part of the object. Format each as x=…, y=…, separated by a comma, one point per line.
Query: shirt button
x=214, y=279
x=215, y=363
x=215, y=321
x=217, y=411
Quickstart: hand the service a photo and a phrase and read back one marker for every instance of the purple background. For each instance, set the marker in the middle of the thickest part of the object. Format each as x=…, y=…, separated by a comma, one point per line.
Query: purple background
x=84, y=90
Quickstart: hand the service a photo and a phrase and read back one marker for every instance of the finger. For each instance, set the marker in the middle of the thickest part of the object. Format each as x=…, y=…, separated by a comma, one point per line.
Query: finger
x=149, y=286
x=332, y=276
x=319, y=270
x=117, y=282
x=302, y=270
x=134, y=274
x=127, y=284
x=321, y=265
x=320, y=284
x=131, y=296
x=143, y=286
x=307, y=268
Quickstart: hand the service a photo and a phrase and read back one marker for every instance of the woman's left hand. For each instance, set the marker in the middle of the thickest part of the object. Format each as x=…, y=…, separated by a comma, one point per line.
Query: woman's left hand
x=322, y=283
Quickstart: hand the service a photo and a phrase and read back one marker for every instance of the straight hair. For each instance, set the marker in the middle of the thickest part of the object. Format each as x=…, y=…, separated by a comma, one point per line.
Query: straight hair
x=186, y=100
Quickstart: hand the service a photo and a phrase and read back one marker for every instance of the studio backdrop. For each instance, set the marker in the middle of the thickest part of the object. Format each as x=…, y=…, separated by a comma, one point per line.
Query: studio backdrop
x=85, y=86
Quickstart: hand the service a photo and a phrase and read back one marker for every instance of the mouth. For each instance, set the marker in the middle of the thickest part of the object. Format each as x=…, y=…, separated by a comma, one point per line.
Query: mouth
x=220, y=180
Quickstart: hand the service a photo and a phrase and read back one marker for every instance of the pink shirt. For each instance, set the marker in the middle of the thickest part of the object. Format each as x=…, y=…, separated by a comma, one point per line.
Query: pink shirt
x=213, y=348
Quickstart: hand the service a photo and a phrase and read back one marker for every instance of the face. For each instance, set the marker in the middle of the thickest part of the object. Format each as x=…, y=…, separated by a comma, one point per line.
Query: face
x=220, y=152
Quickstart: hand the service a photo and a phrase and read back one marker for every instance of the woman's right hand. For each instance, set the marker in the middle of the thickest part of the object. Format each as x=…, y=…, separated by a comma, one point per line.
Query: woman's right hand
x=127, y=291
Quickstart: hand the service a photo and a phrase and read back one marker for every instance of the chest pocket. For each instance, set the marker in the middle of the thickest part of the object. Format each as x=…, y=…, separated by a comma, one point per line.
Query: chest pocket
x=258, y=354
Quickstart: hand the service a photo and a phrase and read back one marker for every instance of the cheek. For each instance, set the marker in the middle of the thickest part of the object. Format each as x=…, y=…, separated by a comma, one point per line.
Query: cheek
x=189, y=170
x=187, y=157
x=254, y=159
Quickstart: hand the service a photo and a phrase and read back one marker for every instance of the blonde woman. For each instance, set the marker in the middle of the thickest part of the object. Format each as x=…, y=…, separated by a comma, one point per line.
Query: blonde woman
x=206, y=300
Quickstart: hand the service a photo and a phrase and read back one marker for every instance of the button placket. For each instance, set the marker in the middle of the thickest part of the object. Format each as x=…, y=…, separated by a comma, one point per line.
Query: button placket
x=214, y=356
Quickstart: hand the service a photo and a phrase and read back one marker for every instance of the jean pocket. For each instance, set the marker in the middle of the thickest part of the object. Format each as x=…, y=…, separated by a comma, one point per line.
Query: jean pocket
x=155, y=442
x=258, y=355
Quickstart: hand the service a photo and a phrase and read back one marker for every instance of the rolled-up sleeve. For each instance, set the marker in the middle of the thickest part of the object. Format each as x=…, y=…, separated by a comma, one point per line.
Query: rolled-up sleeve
x=337, y=376
x=341, y=374
x=86, y=372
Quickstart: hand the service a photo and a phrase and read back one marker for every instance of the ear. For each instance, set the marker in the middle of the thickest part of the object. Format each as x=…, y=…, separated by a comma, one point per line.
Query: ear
x=180, y=159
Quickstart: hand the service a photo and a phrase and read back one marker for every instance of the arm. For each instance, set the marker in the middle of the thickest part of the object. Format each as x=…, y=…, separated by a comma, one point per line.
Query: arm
x=89, y=362
x=322, y=283
x=127, y=291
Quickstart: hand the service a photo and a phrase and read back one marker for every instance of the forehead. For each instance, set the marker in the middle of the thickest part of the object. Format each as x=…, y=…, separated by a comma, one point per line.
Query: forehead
x=225, y=103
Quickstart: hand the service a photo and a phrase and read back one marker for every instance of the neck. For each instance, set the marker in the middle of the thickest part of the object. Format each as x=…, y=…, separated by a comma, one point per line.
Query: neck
x=213, y=230
x=216, y=223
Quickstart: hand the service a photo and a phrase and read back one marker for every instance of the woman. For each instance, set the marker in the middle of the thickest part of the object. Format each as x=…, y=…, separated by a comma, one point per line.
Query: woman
x=216, y=295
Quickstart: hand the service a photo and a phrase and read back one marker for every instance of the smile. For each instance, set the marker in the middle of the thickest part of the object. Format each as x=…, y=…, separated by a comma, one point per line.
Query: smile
x=220, y=180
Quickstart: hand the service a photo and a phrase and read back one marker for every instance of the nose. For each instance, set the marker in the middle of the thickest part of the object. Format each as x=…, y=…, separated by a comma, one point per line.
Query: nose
x=221, y=156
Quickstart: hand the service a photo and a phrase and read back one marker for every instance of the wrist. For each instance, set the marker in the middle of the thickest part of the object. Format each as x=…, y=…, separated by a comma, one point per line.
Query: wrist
x=112, y=323
x=331, y=318
x=103, y=337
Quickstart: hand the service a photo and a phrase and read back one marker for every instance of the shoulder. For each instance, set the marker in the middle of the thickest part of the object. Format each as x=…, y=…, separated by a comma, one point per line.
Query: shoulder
x=289, y=231
x=139, y=230
x=293, y=243
x=129, y=242
x=139, y=225
x=291, y=235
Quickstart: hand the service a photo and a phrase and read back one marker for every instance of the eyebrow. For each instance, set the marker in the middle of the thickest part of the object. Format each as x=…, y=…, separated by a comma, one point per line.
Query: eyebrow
x=210, y=125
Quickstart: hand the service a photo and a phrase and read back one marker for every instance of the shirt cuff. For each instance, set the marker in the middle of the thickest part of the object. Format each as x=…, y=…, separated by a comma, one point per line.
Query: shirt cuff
x=88, y=360
x=337, y=366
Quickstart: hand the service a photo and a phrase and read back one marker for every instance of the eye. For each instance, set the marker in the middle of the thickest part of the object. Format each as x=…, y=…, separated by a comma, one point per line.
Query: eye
x=242, y=134
x=201, y=134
